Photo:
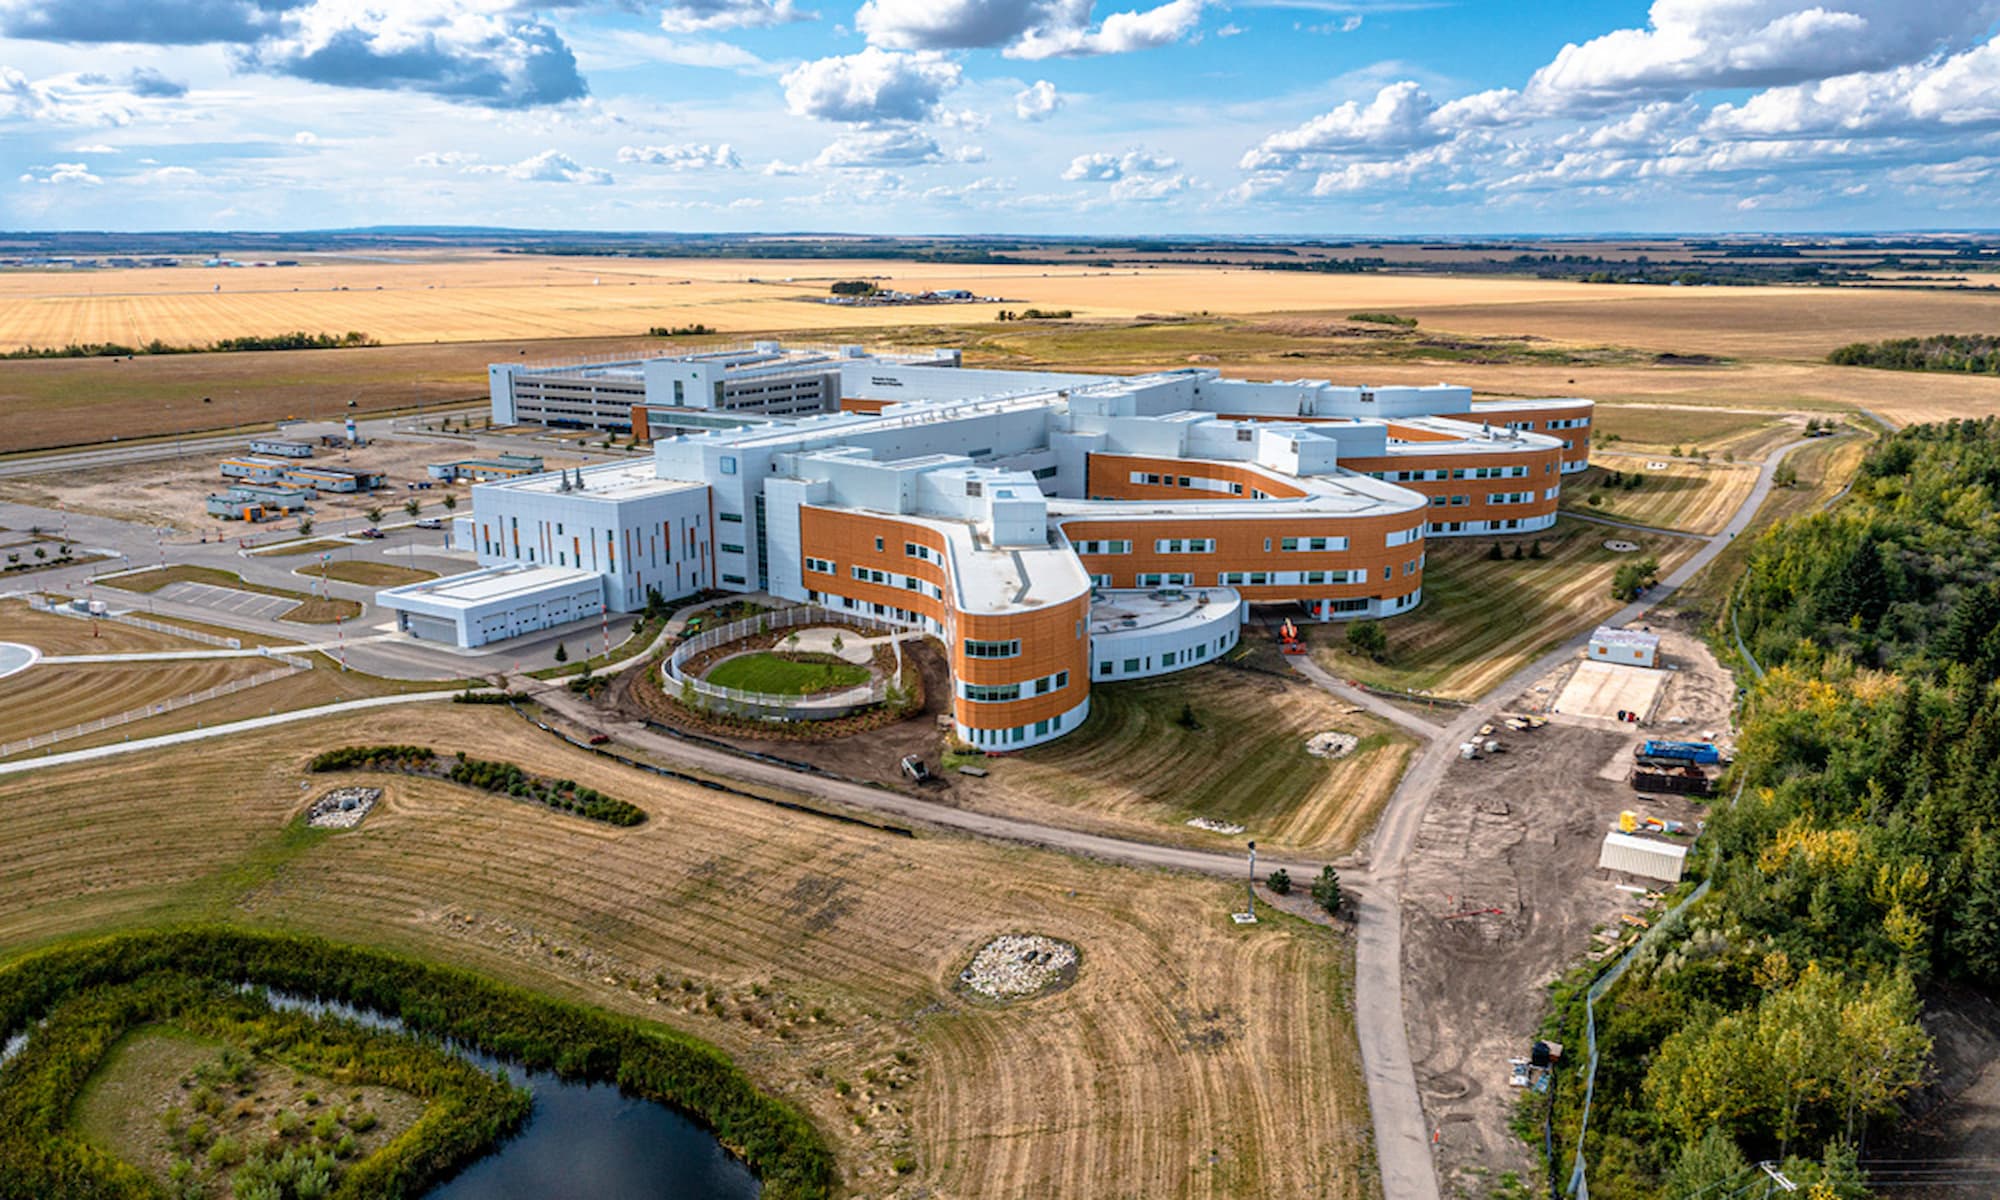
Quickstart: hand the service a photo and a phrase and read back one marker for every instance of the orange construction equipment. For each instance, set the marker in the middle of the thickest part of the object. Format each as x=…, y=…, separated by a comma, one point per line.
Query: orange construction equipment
x=1288, y=638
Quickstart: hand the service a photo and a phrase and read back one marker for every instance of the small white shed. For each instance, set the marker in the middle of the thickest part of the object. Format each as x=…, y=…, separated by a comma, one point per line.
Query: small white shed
x=1642, y=856
x=1629, y=647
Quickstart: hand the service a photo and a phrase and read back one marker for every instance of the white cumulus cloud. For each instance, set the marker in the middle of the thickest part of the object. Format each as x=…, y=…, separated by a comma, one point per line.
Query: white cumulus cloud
x=692, y=156
x=1038, y=101
x=872, y=87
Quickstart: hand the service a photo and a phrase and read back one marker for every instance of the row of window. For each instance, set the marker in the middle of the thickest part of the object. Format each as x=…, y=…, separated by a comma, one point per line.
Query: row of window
x=1509, y=497
x=1017, y=734
x=1403, y=537
x=1100, y=546
x=1312, y=543
x=914, y=550
x=1011, y=648
x=1438, y=474
x=1203, y=483
x=1000, y=693
x=1184, y=546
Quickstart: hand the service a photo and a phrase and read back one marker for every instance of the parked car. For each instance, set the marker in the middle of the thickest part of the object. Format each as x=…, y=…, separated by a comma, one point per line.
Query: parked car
x=598, y=739
x=372, y=532
x=430, y=523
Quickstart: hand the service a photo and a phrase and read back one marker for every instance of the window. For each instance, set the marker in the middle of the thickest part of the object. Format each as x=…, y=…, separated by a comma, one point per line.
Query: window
x=972, y=487
x=990, y=693
x=878, y=543
x=733, y=518
x=1051, y=683
x=730, y=548
x=1312, y=543
x=732, y=579
x=1184, y=546
x=866, y=575
x=820, y=565
x=1104, y=547
x=1007, y=649
x=728, y=464
x=1131, y=665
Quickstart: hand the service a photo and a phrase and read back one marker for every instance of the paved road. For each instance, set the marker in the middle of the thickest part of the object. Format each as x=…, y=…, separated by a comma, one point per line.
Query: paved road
x=1388, y=710
x=1402, y=1141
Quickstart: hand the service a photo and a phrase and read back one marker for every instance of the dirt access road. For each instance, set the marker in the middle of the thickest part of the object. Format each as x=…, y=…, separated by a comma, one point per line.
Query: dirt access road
x=1403, y=1146
x=1519, y=832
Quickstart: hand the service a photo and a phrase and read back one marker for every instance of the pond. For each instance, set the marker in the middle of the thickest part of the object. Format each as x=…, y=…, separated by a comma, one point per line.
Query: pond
x=580, y=1139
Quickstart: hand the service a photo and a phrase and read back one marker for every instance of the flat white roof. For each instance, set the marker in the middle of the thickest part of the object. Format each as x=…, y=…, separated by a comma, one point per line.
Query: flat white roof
x=507, y=582
x=1624, y=637
x=1626, y=841
x=1158, y=610
x=1347, y=493
x=606, y=481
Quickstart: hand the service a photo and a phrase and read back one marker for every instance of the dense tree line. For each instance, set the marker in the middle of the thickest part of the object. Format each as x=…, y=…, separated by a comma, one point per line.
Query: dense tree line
x=296, y=340
x=1861, y=863
x=1969, y=353
x=503, y=778
x=776, y=1141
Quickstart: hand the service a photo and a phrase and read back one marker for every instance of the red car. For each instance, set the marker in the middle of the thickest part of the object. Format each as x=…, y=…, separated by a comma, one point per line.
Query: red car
x=598, y=739
x=372, y=532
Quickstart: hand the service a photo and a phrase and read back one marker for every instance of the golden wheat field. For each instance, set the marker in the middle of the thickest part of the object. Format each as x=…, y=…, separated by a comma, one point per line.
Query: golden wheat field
x=1189, y=1058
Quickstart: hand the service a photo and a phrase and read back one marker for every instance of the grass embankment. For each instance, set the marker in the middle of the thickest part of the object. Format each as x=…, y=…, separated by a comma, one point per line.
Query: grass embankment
x=311, y=610
x=820, y=956
x=1135, y=767
x=287, y=549
x=1696, y=497
x=787, y=674
x=367, y=572
x=1481, y=620
x=1824, y=469
x=1652, y=430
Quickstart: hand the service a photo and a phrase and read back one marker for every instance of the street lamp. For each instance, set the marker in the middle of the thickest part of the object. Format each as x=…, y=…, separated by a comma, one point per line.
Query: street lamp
x=1251, y=887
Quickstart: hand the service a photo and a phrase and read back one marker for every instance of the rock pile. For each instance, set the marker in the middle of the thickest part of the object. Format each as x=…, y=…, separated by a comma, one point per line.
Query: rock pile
x=342, y=808
x=1331, y=744
x=1215, y=826
x=1016, y=965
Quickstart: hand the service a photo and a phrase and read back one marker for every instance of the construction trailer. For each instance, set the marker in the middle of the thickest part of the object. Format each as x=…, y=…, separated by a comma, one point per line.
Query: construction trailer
x=255, y=470
x=281, y=447
x=1628, y=647
x=1642, y=856
x=274, y=495
x=230, y=508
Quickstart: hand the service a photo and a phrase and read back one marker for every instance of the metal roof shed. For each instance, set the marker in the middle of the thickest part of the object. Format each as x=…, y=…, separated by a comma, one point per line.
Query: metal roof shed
x=1642, y=856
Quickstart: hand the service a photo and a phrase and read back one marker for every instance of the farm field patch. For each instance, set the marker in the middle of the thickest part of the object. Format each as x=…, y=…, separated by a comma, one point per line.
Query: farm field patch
x=820, y=956
x=1483, y=619
x=1135, y=767
x=53, y=634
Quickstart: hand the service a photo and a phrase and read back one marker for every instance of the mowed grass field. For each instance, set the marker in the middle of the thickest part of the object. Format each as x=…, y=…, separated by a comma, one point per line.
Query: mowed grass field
x=1482, y=620
x=52, y=634
x=1134, y=769
x=778, y=675
x=368, y=572
x=1696, y=497
x=51, y=696
x=1191, y=1058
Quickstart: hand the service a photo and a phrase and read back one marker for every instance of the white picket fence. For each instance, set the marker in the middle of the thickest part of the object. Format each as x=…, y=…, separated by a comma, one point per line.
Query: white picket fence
x=290, y=666
x=193, y=635
x=808, y=708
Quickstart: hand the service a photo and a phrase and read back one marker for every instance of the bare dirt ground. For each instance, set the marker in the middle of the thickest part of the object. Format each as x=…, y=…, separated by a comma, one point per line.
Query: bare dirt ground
x=172, y=492
x=1520, y=832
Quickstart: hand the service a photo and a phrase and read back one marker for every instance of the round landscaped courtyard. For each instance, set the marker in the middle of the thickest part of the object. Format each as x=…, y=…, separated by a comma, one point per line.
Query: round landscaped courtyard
x=802, y=664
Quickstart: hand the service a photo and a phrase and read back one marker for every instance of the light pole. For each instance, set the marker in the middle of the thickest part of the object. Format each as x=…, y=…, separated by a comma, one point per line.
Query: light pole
x=1251, y=887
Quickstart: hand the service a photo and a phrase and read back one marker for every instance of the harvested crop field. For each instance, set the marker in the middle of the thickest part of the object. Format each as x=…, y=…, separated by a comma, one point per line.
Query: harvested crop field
x=1134, y=768
x=1483, y=619
x=1190, y=1058
x=1697, y=497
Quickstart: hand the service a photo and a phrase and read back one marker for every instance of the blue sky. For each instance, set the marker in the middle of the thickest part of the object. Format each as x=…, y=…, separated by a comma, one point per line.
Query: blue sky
x=1299, y=117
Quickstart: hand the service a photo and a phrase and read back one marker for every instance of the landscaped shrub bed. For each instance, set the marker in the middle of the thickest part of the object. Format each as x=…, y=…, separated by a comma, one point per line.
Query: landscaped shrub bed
x=504, y=778
x=777, y=1143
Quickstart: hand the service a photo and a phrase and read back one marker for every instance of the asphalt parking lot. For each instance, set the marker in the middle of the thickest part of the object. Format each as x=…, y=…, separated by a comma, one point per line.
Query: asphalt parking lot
x=229, y=600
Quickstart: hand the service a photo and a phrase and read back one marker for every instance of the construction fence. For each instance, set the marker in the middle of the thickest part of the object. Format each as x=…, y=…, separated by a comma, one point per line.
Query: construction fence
x=288, y=666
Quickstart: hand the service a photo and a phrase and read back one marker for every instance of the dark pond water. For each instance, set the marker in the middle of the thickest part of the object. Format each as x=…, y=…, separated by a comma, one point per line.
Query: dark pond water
x=582, y=1140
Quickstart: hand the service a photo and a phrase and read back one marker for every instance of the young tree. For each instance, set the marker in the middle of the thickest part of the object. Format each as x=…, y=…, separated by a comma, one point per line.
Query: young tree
x=562, y=654
x=838, y=643
x=450, y=502
x=305, y=526
x=1786, y=476
x=411, y=506
x=374, y=514
x=1279, y=881
x=1366, y=637
x=1326, y=889
x=1495, y=553
x=1535, y=550
x=1520, y=552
